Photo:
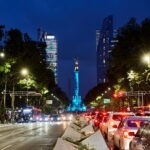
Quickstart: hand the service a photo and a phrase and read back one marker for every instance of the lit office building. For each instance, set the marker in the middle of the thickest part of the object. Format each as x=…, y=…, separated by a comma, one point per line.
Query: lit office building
x=104, y=44
x=51, y=53
x=51, y=50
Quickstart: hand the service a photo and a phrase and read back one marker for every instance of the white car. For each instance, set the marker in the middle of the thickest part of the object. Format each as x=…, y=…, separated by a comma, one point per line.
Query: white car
x=127, y=129
x=141, y=138
x=111, y=123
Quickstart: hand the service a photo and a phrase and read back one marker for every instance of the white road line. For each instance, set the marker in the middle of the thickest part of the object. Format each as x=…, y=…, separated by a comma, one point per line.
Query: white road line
x=6, y=147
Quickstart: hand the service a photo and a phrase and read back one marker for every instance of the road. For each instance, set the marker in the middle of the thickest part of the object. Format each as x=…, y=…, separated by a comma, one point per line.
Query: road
x=31, y=136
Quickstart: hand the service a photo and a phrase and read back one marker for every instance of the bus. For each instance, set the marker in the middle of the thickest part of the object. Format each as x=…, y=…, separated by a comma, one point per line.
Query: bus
x=32, y=114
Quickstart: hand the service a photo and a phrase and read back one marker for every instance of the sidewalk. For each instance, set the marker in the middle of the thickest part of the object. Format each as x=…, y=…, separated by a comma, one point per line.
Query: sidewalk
x=5, y=125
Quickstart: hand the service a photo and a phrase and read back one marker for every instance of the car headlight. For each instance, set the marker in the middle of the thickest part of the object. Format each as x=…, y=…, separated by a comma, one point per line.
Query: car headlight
x=52, y=119
x=46, y=119
x=70, y=118
x=64, y=118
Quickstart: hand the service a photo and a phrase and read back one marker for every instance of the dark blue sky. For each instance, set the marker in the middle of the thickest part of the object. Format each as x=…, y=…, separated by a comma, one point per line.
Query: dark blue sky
x=74, y=23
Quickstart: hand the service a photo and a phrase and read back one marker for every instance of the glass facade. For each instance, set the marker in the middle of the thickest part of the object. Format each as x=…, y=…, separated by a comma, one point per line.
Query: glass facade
x=104, y=38
x=51, y=53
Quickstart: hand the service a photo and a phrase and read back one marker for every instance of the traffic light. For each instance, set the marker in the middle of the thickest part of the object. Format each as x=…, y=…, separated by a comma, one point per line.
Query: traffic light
x=119, y=94
x=115, y=95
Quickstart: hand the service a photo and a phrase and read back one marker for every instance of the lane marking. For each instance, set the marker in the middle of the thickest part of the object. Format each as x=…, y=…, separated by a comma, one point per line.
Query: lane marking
x=6, y=147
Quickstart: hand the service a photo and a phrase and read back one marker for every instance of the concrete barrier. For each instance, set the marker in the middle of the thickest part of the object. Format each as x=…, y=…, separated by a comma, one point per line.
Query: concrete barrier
x=72, y=134
x=78, y=130
x=64, y=145
x=87, y=130
x=95, y=141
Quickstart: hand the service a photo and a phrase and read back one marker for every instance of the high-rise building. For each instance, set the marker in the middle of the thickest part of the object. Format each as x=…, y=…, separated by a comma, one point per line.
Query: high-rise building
x=51, y=50
x=104, y=45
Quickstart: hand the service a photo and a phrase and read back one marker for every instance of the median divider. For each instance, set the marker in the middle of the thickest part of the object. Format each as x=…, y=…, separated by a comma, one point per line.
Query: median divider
x=80, y=135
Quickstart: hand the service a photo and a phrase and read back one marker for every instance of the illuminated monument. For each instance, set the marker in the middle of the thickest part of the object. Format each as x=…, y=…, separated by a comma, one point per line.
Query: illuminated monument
x=76, y=104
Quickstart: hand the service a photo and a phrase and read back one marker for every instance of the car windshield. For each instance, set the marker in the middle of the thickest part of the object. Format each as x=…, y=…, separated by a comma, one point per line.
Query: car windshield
x=136, y=123
x=55, y=115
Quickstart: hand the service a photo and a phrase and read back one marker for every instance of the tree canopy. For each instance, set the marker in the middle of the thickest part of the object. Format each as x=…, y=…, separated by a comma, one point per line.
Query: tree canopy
x=22, y=52
x=126, y=58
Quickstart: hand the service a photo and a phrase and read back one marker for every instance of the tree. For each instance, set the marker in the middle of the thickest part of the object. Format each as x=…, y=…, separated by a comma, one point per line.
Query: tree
x=1, y=31
x=133, y=41
x=22, y=51
x=95, y=92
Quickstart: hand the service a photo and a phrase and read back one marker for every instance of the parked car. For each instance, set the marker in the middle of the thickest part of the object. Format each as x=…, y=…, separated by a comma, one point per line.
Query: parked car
x=112, y=122
x=141, y=140
x=127, y=129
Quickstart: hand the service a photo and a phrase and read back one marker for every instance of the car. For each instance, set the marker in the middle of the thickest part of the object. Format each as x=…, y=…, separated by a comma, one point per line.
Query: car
x=98, y=118
x=67, y=116
x=44, y=118
x=102, y=123
x=55, y=117
x=127, y=129
x=112, y=122
x=141, y=140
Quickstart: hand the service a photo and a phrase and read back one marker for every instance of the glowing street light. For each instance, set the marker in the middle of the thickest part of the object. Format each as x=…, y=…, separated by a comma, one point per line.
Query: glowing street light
x=23, y=72
x=2, y=54
x=146, y=59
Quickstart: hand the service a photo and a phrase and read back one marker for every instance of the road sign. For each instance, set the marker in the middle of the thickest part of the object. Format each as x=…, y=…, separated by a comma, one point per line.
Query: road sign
x=49, y=101
x=106, y=100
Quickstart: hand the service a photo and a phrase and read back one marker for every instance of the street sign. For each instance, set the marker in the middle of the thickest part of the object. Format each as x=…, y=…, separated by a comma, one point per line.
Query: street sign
x=49, y=101
x=106, y=100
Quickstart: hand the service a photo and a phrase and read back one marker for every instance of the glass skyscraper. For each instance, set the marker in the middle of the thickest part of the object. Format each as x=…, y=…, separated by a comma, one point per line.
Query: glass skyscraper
x=51, y=53
x=51, y=50
x=104, y=44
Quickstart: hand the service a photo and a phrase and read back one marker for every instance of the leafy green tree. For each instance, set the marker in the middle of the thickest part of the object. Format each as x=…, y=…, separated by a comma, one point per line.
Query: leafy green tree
x=132, y=44
x=95, y=92
x=133, y=41
x=1, y=31
x=22, y=52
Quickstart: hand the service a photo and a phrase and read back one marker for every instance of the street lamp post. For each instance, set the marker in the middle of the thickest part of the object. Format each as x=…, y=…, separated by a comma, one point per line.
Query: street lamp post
x=146, y=59
x=23, y=72
x=2, y=55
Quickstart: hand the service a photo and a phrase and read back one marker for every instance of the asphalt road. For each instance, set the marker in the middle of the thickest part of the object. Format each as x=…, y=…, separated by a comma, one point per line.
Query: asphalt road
x=31, y=136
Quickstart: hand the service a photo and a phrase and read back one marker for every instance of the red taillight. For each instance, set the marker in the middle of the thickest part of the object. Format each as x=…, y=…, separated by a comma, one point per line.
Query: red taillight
x=96, y=112
x=127, y=134
x=113, y=124
x=96, y=121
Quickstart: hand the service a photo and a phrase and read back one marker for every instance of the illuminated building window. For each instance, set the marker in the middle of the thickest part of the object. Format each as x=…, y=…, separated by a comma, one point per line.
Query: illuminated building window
x=104, y=61
x=104, y=40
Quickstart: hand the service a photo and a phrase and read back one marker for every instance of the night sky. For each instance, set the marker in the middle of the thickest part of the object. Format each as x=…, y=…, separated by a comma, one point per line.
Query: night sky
x=74, y=23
